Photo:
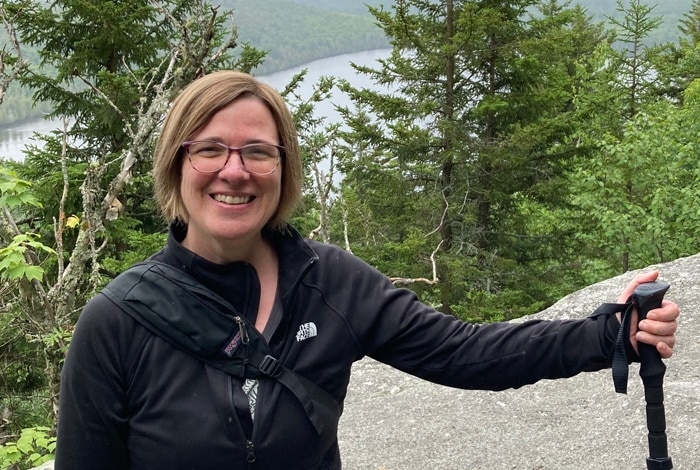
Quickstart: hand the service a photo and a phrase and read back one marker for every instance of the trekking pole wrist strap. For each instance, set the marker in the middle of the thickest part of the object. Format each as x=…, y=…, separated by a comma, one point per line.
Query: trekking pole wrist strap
x=623, y=352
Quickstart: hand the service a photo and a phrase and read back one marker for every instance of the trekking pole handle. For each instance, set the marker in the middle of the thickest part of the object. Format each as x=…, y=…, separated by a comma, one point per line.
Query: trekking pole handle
x=649, y=296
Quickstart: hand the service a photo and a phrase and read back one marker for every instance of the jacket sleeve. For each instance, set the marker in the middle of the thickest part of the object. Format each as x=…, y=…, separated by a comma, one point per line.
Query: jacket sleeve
x=394, y=327
x=92, y=422
x=496, y=356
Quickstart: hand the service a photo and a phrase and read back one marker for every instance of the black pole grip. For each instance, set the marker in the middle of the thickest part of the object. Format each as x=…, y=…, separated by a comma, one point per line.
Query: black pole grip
x=647, y=297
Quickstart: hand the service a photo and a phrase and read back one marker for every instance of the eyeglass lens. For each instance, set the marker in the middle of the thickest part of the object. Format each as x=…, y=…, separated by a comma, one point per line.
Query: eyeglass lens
x=210, y=157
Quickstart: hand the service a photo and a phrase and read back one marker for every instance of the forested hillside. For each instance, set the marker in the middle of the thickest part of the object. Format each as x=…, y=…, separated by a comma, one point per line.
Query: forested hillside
x=348, y=6
x=670, y=11
x=290, y=32
x=295, y=32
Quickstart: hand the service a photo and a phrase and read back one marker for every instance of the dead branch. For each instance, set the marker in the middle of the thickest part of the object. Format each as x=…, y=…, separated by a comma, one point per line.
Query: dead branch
x=345, y=229
x=20, y=63
x=60, y=224
x=407, y=281
x=434, y=280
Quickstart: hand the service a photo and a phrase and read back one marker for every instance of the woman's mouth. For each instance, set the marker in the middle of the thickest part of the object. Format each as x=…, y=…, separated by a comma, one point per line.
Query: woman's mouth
x=232, y=200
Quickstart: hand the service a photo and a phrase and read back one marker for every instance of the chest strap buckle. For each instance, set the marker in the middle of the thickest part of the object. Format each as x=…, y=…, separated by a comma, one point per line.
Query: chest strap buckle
x=269, y=366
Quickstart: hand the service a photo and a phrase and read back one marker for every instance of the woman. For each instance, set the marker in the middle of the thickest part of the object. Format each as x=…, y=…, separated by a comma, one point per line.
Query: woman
x=227, y=176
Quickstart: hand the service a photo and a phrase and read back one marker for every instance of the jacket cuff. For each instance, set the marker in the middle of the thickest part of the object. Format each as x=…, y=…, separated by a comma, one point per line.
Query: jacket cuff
x=609, y=329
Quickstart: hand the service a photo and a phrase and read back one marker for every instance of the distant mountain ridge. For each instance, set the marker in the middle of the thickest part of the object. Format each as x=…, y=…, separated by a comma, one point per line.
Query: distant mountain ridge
x=300, y=31
x=296, y=32
x=671, y=11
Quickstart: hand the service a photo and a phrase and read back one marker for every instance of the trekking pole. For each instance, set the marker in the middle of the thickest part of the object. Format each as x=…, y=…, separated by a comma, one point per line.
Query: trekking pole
x=648, y=296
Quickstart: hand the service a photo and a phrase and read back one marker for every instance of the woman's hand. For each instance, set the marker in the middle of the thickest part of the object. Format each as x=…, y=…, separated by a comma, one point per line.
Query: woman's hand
x=659, y=327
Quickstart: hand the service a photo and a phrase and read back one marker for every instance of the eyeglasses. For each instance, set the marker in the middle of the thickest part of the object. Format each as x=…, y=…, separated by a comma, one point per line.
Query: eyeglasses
x=210, y=157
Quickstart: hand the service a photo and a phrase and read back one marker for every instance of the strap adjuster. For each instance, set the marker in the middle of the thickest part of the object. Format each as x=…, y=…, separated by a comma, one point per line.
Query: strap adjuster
x=269, y=366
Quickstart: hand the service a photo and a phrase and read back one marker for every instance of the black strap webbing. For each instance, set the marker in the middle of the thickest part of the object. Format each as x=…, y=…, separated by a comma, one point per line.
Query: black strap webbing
x=622, y=352
x=192, y=318
x=302, y=388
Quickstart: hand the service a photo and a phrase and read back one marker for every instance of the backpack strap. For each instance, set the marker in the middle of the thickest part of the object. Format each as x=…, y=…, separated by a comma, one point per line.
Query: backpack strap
x=192, y=318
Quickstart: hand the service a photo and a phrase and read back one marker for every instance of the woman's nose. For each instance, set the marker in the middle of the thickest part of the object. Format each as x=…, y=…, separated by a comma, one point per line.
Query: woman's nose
x=234, y=163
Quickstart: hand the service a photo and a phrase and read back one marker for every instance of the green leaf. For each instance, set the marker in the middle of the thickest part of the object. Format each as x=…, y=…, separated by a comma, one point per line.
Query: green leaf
x=33, y=273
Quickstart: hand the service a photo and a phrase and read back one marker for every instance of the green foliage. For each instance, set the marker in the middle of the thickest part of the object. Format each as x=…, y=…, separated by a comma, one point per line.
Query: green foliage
x=137, y=245
x=23, y=376
x=20, y=365
x=14, y=194
x=24, y=408
x=14, y=266
x=22, y=371
x=35, y=446
x=642, y=196
x=634, y=193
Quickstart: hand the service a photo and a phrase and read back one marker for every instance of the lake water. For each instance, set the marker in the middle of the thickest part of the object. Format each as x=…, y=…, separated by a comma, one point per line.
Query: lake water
x=15, y=137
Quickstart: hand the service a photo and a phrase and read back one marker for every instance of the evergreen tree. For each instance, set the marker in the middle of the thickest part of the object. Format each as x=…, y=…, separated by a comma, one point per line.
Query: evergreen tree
x=480, y=91
x=690, y=23
x=679, y=64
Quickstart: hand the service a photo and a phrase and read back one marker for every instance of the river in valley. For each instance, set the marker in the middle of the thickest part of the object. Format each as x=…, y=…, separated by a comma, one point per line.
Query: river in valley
x=15, y=137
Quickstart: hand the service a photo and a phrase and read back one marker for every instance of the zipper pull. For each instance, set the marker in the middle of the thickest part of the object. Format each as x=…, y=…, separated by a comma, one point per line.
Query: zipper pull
x=250, y=450
x=242, y=328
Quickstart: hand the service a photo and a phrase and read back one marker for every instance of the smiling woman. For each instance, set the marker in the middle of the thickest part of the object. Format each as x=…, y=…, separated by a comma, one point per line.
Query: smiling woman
x=251, y=299
x=228, y=207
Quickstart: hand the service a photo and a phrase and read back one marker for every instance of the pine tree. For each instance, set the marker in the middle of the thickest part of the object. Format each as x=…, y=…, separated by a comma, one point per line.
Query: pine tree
x=479, y=91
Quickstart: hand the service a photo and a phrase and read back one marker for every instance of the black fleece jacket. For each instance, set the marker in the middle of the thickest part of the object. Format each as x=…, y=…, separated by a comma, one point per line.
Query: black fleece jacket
x=129, y=400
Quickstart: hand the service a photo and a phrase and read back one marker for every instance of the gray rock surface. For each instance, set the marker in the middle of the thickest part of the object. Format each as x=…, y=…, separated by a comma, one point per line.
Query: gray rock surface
x=393, y=421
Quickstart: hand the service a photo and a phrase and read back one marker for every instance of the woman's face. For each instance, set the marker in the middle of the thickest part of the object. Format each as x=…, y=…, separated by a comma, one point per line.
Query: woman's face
x=229, y=208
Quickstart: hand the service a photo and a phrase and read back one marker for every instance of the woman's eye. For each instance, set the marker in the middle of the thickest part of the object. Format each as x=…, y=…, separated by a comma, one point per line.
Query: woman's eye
x=258, y=152
x=209, y=150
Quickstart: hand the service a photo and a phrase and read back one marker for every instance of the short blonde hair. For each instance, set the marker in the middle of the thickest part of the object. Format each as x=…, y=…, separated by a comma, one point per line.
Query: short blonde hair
x=192, y=110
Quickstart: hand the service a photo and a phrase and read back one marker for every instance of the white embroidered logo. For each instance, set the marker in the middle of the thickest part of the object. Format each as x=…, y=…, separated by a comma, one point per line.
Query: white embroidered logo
x=306, y=331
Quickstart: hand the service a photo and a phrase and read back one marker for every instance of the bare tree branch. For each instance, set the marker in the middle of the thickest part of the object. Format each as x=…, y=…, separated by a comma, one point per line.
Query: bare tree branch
x=10, y=72
x=433, y=281
x=345, y=230
x=60, y=224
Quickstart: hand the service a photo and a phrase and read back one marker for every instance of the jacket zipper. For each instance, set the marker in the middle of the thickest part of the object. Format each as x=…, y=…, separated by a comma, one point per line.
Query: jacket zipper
x=249, y=446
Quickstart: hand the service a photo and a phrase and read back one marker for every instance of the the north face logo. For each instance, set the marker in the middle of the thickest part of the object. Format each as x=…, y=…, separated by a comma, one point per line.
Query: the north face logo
x=306, y=331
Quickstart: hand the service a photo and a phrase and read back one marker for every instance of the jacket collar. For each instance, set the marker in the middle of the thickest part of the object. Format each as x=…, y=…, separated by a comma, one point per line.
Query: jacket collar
x=296, y=257
x=234, y=281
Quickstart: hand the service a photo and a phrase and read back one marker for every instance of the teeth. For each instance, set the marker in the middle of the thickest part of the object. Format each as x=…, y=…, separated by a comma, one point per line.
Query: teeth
x=232, y=199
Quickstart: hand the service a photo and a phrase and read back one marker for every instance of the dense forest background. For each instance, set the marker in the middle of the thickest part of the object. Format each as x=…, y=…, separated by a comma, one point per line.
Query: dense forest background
x=295, y=32
x=516, y=151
